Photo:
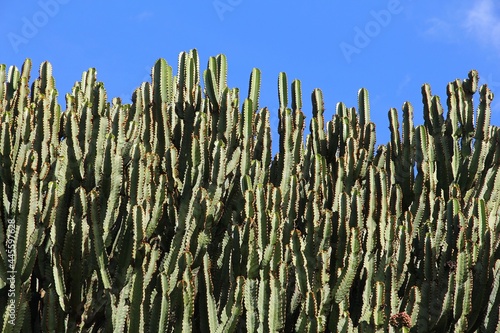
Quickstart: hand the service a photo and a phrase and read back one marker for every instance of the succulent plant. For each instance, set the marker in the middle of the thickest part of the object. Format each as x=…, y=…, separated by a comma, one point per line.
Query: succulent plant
x=171, y=213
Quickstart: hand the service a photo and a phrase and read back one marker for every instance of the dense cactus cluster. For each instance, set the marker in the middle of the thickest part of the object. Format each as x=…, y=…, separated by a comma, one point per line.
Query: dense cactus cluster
x=172, y=214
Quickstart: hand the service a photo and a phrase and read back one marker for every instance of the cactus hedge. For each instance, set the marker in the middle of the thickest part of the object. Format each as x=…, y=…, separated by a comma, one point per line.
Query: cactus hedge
x=171, y=213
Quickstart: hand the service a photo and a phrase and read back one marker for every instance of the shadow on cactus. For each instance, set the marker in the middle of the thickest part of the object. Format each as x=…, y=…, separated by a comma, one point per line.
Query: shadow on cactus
x=172, y=214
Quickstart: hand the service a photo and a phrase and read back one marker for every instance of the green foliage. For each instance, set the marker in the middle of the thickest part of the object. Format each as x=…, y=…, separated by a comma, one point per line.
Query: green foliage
x=171, y=214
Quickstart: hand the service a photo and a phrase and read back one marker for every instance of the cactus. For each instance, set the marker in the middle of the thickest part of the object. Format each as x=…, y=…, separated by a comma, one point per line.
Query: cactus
x=171, y=213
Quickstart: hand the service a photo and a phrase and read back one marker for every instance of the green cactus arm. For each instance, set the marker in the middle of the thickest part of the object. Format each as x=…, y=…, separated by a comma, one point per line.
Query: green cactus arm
x=182, y=78
x=300, y=260
x=150, y=264
x=7, y=121
x=99, y=134
x=26, y=212
x=472, y=82
x=235, y=307
x=318, y=122
x=59, y=283
x=342, y=230
x=135, y=175
x=48, y=213
x=112, y=178
x=261, y=219
x=136, y=320
x=2, y=85
x=286, y=161
x=215, y=77
x=370, y=200
x=413, y=306
x=276, y=321
x=491, y=321
x=481, y=239
x=165, y=302
x=248, y=116
x=357, y=218
x=157, y=208
x=126, y=244
x=395, y=135
x=230, y=104
x=433, y=111
x=218, y=170
x=325, y=293
x=408, y=148
x=364, y=107
x=221, y=73
x=379, y=306
x=282, y=91
x=47, y=80
x=211, y=306
x=162, y=82
x=384, y=210
x=210, y=80
x=339, y=185
x=87, y=83
x=51, y=312
x=23, y=106
x=266, y=146
x=365, y=306
x=98, y=244
x=120, y=311
x=44, y=103
x=188, y=294
x=75, y=151
x=340, y=320
x=21, y=117
x=296, y=95
x=314, y=320
x=353, y=123
x=263, y=299
x=251, y=304
x=481, y=136
x=346, y=278
x=455, y=104
x=12, y=84
x=483, y=114
x=162, y=97
x=463, y=286
x=470, y=86
x=194, y=83
x=298, y=138
x=273, y=252
x=254, y=89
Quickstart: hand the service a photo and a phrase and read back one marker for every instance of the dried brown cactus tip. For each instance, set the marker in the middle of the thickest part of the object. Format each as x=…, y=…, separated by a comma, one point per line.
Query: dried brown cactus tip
x=400, y=320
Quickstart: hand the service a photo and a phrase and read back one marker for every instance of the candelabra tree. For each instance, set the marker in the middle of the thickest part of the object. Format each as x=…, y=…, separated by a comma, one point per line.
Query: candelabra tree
x=171, y=213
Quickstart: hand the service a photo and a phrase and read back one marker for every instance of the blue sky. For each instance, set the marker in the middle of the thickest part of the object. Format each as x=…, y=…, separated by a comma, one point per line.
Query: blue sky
x=390, y=47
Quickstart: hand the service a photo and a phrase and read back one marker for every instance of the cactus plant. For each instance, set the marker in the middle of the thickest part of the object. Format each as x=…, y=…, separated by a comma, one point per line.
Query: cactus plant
x=172, y=214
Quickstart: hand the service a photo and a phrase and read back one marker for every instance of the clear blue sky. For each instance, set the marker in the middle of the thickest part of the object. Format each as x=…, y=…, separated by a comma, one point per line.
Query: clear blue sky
x=390, y=47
